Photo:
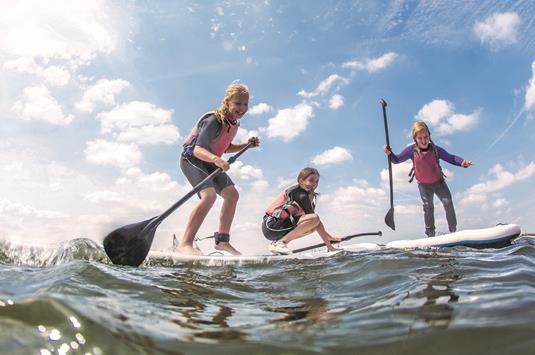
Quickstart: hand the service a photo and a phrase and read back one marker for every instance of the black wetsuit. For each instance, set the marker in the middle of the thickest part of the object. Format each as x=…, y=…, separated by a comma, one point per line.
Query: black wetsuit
x=275, y=228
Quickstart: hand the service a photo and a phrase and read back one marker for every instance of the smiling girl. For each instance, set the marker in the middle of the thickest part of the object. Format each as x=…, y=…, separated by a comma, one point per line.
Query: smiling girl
x=427, y=171
x=208, y=140
x=292, y=216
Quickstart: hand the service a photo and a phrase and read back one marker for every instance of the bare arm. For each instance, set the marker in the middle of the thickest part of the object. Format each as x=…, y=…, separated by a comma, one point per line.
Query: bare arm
x=205, y=155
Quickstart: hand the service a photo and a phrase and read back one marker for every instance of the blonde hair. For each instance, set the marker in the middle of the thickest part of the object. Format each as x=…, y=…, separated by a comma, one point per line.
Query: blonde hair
x=418, y=127
x=232, y=90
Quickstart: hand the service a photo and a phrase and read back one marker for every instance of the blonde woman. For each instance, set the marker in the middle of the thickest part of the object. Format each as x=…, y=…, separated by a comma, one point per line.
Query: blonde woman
x=425, y=156
x=208, y=140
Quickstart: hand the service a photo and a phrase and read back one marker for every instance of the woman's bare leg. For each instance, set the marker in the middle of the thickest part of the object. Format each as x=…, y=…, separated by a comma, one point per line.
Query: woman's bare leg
x=226, y=216
x=196, y=217
x=306, y=225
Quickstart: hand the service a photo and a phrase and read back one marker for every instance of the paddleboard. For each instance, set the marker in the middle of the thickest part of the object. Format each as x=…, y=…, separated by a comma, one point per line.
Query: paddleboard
x=218, y=258
x=493, y=237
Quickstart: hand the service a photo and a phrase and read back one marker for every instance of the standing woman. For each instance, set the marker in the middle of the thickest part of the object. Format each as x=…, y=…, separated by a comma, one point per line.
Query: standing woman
x=292, y=215
x=208, y=140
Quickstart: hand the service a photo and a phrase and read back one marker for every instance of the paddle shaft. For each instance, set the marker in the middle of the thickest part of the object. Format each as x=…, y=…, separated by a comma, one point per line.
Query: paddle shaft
x=343, y=239
x=389, y=218
x=156, y=221
x=383, y=104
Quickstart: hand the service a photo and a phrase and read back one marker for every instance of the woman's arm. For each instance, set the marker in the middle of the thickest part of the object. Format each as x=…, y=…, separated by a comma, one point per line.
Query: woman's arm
x=209, y=157
x=237, y=147
x=405, y=154
x=452, y=159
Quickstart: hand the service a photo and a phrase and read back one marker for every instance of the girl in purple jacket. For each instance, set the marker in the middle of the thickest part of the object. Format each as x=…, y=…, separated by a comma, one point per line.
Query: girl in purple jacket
x=425, y=156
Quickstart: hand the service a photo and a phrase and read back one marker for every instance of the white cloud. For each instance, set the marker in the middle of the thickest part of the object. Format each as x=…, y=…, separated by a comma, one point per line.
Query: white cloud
x=530, y=90
x=325, y=86
x=353, y=199
x=53, y=75
x=149, y=134
x=103, y=92
x=289, y=122
x=372, y=65
x=458, y=122
x=140, y=122
x=441, y=116
x=334, y=155
x=498, y=30
x=36, y=104
x=156, y=181
x=133, y=114
x=479, y=193
x=240, y=171
x=500, y=202
x=259, y=109
x=400, y=178
x=102, y=152
x=15, y=210
x=75, y=30
x=243, y=135
x=336, y=101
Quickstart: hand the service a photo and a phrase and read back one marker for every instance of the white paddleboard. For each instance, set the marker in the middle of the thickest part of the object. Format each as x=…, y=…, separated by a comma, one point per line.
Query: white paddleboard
x=218, y=258
x=478, y=238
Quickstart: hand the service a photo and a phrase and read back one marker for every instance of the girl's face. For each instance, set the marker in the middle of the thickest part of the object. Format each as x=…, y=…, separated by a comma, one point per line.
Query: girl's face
x=238, y=105
x=310, y=183
x=422, y=139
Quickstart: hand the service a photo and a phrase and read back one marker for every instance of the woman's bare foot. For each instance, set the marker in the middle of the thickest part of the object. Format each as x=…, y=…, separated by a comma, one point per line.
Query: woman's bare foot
x=188, y=250
x=227, y=247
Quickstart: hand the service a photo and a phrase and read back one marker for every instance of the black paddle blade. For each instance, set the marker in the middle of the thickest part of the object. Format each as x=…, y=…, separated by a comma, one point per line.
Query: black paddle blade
x=130, y=245
x=389, y=219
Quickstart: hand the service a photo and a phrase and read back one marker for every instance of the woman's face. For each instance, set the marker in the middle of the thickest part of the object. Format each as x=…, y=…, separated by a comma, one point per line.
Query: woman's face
x=238, y=105
x=422, y=139
x=310, y=183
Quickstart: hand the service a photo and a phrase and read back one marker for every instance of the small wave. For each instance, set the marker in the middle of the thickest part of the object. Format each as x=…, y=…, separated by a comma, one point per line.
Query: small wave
x=51, y=254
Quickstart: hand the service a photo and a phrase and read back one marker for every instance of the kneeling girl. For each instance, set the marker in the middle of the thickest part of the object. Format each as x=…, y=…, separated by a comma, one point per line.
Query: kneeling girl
x=292, y=215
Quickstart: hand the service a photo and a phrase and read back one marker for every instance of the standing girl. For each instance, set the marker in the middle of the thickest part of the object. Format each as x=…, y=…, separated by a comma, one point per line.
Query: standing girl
x=208, y=140
x=425, y=156
x=292, y=215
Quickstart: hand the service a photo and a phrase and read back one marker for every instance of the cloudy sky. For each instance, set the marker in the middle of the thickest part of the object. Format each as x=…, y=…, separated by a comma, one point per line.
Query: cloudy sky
x=96, y=97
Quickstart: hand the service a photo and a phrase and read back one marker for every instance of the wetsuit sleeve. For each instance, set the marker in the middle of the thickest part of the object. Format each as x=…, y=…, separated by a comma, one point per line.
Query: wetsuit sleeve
x=301, y=197
x=450, y=158
x=207, y=132
x=405, y=154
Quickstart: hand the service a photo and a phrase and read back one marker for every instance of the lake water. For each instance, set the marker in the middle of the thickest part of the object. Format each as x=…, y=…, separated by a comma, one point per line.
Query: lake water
x=70, y=299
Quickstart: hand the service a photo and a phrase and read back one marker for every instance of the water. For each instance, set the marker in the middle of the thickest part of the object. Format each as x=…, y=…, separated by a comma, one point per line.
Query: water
x=69, y=299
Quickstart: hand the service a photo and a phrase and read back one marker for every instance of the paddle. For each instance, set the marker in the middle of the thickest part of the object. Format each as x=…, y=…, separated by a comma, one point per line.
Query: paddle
x=389, y=218
x=129, y=245
x=343, y=239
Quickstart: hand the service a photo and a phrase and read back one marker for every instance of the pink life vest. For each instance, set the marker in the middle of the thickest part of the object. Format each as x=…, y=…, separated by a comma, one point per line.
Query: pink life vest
x=426, y=167
x=283, y=207
x=220, y=144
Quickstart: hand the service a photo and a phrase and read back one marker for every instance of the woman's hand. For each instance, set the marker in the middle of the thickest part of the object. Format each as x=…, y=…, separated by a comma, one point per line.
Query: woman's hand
x=220, y=163
x=335, y=239
x=466, y=163
x=255, y=141
x=387, y=150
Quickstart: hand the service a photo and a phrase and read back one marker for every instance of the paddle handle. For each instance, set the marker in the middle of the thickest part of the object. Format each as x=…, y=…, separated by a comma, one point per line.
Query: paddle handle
x=384, y=104
x=157, y=220
x=343, y=239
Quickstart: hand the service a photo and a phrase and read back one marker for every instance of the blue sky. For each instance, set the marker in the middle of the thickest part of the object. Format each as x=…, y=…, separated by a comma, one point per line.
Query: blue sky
x=96, y=97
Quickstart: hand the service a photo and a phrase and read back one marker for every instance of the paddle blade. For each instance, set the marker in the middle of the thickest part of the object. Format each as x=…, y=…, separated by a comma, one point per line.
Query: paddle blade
x=389, y=219
x=130, y=245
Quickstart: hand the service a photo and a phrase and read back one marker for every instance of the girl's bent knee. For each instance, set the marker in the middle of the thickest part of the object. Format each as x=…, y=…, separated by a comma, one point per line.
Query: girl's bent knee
x=208, y=196
x=231, y=194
